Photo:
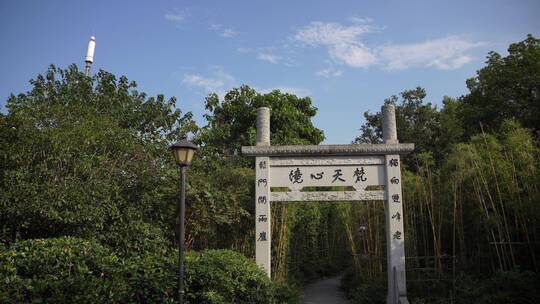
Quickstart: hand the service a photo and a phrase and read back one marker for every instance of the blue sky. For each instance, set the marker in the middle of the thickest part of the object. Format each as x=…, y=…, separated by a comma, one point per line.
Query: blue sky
x=347, y=55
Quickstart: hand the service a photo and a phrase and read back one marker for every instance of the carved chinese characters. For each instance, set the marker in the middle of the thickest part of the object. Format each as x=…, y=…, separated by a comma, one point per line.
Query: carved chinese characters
x=394, y=192
x=296, y=176
x=394, y=220
x=337, y=175
x=358, y=176
x=262, y=211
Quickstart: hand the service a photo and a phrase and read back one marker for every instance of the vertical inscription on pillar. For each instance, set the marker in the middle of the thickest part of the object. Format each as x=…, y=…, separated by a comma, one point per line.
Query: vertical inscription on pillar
x=263, y=231
x=395, y=208
x=395, y=235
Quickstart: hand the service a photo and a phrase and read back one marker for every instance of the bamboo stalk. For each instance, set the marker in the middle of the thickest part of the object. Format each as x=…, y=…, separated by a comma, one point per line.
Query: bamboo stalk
x=497, y=187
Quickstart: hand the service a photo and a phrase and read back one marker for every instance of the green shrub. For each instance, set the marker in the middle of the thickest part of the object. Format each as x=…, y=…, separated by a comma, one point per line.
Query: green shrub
x=73, y=270
x=63, y=270
x=225, y=276
x=151, y=278
x=285, y=292
x=503, y=287
x=135, y=238
x=362, y=291
x=369, y=293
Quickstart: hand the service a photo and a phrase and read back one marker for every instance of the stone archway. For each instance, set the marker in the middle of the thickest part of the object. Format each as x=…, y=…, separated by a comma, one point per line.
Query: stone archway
x=356, y=167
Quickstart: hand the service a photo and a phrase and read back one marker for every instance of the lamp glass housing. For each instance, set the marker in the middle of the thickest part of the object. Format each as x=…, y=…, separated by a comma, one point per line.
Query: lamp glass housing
x=183, y=151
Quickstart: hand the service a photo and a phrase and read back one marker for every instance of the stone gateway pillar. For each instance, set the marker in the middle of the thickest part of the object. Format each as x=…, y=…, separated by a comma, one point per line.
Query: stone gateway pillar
x=263, y=229
x=300, y=169
x=393, y=209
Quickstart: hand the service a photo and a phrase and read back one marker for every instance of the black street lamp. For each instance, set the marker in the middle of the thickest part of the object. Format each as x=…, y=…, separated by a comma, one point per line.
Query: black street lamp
x=183, y=151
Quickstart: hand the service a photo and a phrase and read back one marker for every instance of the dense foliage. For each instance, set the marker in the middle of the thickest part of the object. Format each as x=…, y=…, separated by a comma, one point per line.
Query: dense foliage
x=502, y=287
x=231, y=122
x=221, y=191
x=74, y=270
x=506, y=88
x=224, y=276
x=221, y=188
x=60, y=270
x=90, y=157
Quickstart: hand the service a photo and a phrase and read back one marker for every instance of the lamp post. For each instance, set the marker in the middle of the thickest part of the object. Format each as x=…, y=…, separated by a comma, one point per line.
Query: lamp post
x=183, y=151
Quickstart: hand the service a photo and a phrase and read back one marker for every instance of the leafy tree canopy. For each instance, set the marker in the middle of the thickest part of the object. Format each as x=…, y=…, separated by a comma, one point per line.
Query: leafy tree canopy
x=506, y=88
x=221, y=191
x=417, y=122
x=231, y=123
x=88, y=157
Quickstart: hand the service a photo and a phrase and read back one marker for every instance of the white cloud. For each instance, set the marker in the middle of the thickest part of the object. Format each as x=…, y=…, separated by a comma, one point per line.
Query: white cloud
x=354, y=55
x=345, y=46
x=266, y=54
x=244, y=50
x=445, y=54
x=175, y=17
x=343, y=42
x=209, y=84
x=330, y=34
x=268, y=57
x=216, y=83
x=358, y=19
x=329, y=72
x=220, y=82
x=223, y=31
x=228, y=33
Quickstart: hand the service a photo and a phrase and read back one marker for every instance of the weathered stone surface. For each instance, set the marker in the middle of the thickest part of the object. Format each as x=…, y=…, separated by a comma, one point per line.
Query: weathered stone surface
x=263, y=126
x=326, y=196
x=326, y=161
x=395, y=235
x=318, y=150
x=389, y=124
x=356, y=176
x=263, y=216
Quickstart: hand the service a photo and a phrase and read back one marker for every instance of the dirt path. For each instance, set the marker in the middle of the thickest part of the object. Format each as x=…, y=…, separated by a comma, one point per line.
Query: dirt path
x=324, y=291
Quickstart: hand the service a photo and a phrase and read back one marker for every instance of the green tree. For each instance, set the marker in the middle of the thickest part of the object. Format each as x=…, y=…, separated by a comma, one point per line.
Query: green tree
x=221, y=191
x=417, y=122
x=231, y=123
x=450, y=126
x=506, y=88
x=88, y=157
